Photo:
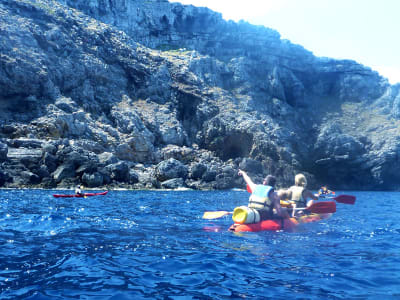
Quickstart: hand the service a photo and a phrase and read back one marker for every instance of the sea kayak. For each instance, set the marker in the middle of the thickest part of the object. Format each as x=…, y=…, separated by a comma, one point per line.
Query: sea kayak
x=80, y=195
x=279, y=224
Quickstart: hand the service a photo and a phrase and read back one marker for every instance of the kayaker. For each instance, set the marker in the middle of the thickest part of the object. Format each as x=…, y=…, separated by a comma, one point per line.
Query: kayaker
x=323, y=191
x=78, y=190
x=298, y=195
x=264, y=198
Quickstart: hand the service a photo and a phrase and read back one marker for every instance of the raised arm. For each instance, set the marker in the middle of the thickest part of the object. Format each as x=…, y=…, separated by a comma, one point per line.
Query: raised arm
x=247, y=179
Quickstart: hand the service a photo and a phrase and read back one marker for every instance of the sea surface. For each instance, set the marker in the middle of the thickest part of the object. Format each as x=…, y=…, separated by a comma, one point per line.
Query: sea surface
x=155, y=245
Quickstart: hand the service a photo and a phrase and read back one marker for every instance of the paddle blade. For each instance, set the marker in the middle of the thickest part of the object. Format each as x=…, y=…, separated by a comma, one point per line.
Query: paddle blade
x=325, y=207
x=347, y=199
x=215, y=214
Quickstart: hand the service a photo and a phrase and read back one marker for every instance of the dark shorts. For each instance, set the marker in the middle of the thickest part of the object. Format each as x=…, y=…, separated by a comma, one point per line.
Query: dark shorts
x=265, y=215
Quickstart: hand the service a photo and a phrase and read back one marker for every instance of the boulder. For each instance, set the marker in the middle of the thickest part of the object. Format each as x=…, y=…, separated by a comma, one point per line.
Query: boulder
x=171, y=168
x=50, y=161
x=107, y=158
x=92, y=180
x=119, y=171
x=66, y=104
x=88, y=167
x=209, y=175
x=183, y=154
x=251, y=165
x=133, y=177
x=30, y=178
x=225, y=179
x=173, y=183
x=197, y=170
x=64, y=171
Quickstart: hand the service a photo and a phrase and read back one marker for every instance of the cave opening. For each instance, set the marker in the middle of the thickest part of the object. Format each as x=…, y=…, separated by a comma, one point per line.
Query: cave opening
x=236, y=145
x=187, y=113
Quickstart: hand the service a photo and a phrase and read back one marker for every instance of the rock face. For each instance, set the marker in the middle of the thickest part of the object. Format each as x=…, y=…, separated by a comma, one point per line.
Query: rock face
x=152, y=94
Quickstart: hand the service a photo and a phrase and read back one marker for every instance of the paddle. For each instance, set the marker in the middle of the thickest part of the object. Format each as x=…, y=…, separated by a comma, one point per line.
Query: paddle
x=346, y=199
x=325, y=207
x=219, y=214
x=215, y=214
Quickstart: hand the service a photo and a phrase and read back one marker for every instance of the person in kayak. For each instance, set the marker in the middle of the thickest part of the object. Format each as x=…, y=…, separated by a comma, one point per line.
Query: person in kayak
x=323, y=192
x=264, y=198
x=78, y=190
x=298, y=195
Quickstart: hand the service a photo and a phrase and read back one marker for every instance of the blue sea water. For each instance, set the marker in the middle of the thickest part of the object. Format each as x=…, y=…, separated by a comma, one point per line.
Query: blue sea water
x=155, y=245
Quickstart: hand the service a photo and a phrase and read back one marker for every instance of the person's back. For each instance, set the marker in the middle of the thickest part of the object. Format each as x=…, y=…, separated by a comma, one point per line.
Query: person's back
x=298, y=194
x=261, y=200
x=78, y=190
x=263, y=197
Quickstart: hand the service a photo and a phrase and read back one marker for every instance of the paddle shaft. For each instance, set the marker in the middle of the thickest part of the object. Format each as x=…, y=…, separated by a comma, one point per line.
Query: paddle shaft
x=317, y=208
x=320, y=207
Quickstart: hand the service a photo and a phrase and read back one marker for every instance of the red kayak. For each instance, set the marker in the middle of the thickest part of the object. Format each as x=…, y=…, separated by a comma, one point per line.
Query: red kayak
x=80, y=195
x=315, y=212
x=279, y=224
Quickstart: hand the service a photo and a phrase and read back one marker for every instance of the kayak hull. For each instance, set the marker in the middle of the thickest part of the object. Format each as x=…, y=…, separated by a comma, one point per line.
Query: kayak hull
x=278, y=224
x=80, y=196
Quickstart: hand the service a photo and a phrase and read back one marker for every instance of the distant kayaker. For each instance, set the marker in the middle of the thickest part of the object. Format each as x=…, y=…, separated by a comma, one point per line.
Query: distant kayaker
x=298, y=195
x=78, y=190
x=323, y=191
x=263, y=198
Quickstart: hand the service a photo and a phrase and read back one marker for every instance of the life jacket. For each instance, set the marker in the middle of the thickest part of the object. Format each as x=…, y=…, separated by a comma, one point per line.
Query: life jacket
x=297, y=196
x=323, y=191
x=260, y=201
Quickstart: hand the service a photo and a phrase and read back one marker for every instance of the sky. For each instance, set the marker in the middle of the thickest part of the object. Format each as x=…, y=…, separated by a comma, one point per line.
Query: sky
x=367, y=31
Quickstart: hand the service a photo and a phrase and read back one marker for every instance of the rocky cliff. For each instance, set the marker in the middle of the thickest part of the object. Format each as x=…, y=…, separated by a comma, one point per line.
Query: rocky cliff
x=152, y=94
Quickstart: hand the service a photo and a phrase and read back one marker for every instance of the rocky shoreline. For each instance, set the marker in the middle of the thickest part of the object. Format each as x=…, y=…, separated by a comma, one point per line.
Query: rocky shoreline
x=158, y=95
